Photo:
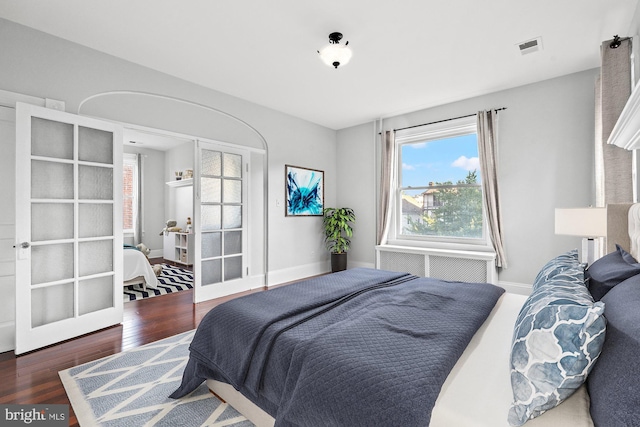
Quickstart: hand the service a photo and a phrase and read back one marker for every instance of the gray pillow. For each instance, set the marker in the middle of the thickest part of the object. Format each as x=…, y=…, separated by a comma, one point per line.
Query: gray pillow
x=608, y=271
x=614, y=382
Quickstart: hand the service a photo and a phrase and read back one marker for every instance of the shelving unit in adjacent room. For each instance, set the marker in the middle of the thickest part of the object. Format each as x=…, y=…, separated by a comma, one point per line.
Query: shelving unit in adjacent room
x=179, y=248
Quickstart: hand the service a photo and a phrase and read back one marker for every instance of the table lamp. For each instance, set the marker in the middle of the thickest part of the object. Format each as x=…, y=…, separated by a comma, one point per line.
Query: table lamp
x=588, y=223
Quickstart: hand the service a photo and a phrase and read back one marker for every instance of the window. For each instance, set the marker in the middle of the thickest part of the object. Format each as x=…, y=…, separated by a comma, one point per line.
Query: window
x=439, y=192
x=129, y=192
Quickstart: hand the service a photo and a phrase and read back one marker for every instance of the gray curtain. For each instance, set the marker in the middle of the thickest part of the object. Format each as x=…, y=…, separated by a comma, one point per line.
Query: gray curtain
x=387, y=156
x=614, y=182
x=599, y=153
x=487, y=146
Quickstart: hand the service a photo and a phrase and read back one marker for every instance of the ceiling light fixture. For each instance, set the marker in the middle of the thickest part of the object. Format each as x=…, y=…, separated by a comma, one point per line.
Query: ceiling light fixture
x=334, y=54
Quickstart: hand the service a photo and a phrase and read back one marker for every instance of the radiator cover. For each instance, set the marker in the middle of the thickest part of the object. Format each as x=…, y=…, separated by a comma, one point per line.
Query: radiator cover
x=453, y=265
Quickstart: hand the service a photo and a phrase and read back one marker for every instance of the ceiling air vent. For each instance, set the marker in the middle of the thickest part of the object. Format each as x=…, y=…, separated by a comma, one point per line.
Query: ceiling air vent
x=530, y=46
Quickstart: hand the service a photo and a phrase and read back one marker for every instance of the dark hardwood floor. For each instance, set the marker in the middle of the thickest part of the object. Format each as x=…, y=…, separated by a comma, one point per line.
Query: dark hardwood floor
x=33, y=377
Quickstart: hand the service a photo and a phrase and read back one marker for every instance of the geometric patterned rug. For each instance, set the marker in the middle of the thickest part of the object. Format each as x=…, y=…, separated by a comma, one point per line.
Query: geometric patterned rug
x=172, y=279
x=132, y=388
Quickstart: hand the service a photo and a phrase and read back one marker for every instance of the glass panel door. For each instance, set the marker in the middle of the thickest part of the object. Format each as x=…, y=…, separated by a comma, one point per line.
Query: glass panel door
x=220, y=221
x=68, y=226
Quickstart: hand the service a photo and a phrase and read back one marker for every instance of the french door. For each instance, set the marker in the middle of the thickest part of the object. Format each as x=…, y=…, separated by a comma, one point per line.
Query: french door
x=220, y=214
x=68, y=226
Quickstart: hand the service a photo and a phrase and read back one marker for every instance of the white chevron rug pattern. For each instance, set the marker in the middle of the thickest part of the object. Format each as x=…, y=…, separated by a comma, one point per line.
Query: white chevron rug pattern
x=172, y=279
x=132, y=388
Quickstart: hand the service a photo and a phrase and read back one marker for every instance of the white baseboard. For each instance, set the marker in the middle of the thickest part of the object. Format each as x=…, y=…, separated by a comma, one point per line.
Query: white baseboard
x=360, y=264
x=7, y=336
x=278, y=277
x=155, y=253
x=516, y=288
x=286, y=275
x=256, y=281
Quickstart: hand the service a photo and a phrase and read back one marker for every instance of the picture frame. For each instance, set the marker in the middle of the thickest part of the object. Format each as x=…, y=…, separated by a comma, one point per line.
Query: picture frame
x=304, y=191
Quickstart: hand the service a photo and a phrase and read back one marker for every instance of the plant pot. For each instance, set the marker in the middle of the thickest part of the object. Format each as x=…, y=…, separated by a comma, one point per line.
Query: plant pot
x=338, y=262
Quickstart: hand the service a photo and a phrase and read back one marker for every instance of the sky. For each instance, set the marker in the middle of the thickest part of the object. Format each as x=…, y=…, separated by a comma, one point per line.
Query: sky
x=440, y=160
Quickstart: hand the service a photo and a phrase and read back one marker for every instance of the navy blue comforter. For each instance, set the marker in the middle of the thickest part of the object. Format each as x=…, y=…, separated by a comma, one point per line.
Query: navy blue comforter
x=360, y=347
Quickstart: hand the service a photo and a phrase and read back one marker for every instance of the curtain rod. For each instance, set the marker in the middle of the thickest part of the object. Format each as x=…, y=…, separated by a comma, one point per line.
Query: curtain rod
x=446, y=120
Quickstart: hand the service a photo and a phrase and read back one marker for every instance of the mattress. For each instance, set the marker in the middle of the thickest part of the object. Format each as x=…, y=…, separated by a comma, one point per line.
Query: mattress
x=136, y=264
x=477, y=392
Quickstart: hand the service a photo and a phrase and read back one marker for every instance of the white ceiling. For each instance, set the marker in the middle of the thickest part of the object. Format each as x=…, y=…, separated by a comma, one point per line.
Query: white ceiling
x=407, y=54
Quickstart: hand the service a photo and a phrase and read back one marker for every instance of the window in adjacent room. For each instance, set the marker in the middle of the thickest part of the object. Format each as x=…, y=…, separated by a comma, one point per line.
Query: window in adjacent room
x=130, y=192
x=439, y=193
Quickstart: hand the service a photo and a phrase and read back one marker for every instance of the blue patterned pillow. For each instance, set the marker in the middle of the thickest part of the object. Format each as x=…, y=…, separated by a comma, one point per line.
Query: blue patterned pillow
x=566, y=261
x=557, y=338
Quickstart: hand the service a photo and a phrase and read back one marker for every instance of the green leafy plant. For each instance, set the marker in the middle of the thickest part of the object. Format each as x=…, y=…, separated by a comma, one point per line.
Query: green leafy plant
x=337, y=228
x=459, y=213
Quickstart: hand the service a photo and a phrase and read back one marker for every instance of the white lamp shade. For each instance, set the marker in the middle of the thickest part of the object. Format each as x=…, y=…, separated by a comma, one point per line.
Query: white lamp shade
x=583, y=222
x=335, y=53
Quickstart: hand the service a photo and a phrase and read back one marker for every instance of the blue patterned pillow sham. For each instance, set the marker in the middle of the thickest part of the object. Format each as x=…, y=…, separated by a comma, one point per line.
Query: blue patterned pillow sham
x=558, y=265
x=557, y=338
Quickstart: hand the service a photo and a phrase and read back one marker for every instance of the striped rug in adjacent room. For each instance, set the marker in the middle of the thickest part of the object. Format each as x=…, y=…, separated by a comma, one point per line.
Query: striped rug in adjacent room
x=173, y=279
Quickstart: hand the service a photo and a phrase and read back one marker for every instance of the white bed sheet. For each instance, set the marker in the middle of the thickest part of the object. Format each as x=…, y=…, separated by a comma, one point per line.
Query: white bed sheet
x=136, y=264
x=477, y=392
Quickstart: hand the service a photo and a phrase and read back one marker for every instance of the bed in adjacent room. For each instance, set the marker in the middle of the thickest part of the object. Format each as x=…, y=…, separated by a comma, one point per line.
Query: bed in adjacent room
x=138, y=270
x=370, y=347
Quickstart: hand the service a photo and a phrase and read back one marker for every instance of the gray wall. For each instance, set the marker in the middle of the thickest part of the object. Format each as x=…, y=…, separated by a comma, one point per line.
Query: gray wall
x=546, y=161
x=634, y=31
x=545, y=153
x=357, y=172
x=179, y=201
x=38, y=64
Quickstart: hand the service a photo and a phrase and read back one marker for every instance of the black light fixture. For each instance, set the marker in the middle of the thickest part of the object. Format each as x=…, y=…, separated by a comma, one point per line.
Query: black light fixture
x=335, y=54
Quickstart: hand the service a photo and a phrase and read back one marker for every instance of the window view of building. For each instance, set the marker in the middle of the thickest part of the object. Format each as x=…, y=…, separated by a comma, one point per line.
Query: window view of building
x=440, y=185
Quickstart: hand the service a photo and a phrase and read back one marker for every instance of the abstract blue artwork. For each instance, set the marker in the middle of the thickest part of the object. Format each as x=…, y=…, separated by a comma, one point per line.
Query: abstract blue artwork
x=305, y=191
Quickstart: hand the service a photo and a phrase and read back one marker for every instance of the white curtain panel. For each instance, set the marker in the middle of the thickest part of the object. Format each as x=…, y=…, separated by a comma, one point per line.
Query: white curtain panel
x=137, y=235
x=487, y=147
x=388, y=156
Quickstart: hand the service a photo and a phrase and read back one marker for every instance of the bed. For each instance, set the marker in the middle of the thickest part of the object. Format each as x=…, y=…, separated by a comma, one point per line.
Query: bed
x=277, y=366
x=138, y=270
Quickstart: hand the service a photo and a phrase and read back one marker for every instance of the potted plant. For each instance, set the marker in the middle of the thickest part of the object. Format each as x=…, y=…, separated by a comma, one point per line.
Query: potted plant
x=337, y=234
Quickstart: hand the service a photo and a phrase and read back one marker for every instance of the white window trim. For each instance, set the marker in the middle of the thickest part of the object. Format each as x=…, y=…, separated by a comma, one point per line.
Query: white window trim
x=442, y=130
